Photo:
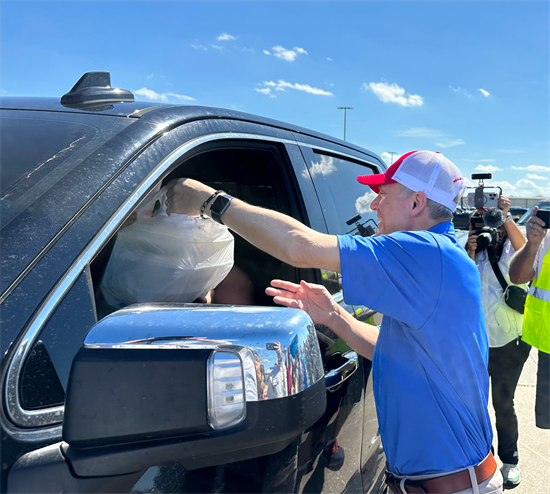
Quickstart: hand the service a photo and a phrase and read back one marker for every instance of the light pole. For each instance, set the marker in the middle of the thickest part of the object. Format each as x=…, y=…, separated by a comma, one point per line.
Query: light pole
x=391, y=153
x=345, y=108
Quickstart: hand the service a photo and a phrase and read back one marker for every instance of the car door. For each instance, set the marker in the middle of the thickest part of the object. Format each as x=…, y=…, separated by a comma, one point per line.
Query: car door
x=39, y=355
x=346, y=207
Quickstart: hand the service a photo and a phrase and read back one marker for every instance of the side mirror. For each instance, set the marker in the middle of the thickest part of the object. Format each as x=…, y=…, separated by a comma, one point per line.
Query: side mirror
x=159, y=383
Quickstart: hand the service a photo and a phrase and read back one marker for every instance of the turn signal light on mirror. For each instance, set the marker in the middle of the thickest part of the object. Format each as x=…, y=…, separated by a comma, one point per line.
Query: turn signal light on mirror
x=226, y=400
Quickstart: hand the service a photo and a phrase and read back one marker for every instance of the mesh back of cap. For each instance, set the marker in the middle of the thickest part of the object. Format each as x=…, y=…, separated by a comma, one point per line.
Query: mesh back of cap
x=432, y=173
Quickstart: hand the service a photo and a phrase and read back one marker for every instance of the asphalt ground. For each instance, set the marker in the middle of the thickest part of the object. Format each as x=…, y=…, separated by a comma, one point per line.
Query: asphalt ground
x=534, y=443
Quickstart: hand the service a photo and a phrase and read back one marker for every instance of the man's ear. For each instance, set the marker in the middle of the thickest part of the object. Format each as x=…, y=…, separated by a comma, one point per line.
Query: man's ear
x=419, y=203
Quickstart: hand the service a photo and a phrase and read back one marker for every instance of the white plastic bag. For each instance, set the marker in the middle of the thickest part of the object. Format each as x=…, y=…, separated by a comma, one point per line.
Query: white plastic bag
x=165, y=258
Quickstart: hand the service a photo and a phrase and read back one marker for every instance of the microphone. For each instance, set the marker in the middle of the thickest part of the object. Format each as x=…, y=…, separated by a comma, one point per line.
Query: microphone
x=493, y=217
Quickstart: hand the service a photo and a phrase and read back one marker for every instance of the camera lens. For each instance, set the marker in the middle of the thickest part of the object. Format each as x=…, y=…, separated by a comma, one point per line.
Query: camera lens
x=484, y=240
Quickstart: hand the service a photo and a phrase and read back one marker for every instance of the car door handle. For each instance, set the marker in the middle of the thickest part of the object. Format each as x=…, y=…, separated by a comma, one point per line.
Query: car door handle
x=335, y=377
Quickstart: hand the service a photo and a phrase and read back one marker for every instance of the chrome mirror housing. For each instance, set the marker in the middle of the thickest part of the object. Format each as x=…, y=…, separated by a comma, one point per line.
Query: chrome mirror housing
x=157, y=371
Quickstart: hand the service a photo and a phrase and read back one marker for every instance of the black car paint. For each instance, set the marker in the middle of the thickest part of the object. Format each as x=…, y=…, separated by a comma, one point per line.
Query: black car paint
x=85, y=200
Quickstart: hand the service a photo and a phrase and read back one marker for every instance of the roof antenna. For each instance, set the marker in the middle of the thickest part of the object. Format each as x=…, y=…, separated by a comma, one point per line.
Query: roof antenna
x=93, y=91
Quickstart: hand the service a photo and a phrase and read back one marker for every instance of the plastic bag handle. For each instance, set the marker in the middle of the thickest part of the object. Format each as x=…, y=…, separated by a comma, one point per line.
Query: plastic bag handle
x=159, y=196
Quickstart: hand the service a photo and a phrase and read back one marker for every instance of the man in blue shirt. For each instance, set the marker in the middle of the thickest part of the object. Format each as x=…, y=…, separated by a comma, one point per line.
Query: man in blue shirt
x=430, y=354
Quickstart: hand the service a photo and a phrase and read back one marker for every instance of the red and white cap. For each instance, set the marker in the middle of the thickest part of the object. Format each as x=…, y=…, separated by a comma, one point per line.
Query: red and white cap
x=423, y=171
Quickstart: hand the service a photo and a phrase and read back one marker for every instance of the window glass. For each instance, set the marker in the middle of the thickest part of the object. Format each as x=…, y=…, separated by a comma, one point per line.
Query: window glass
x=346, y=201
x=46, y=370
x=351, y=200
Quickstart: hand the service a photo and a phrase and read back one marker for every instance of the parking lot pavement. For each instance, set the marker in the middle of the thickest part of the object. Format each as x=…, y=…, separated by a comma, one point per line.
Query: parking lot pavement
x=534, y=443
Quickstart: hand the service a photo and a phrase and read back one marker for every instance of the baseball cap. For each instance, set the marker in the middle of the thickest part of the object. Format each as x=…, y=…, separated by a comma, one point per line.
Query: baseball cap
x=423, y=171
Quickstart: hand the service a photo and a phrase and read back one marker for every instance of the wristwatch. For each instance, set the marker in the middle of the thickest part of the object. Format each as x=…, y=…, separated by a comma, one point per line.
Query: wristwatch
x=219, y=206
x=508, y=218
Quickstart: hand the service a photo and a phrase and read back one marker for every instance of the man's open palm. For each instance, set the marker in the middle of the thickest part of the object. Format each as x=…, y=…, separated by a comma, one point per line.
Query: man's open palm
x=311, y=298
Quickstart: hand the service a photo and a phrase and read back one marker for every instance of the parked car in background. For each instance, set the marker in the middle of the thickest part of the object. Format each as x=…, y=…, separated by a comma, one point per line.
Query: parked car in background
x=517, y=212
x=170, y=397
x=461, y=218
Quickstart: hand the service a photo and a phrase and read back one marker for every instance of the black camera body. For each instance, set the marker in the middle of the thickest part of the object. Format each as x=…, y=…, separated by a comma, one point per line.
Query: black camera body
x=487, y=236
x=486, y=227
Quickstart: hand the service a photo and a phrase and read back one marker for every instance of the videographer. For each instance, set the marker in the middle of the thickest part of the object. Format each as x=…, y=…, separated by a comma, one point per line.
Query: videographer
x=496, y=243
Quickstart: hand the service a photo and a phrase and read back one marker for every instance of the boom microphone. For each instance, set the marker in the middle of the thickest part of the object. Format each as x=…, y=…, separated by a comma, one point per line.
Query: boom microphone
x=493, y=217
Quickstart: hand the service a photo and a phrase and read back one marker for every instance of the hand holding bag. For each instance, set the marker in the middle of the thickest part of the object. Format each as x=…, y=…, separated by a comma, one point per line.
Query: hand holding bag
x=163, y=258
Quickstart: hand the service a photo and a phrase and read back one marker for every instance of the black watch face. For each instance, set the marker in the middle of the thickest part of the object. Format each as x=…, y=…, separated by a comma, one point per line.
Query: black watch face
x=220, y=204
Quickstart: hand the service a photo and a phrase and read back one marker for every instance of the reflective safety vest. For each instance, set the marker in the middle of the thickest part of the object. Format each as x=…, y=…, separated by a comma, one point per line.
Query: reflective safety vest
x=536, y=318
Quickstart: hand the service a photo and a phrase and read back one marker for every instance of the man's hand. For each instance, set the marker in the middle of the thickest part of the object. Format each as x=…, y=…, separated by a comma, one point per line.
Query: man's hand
x=535, y=229
x=504, y=204
x=186, y=196
x=311, y=298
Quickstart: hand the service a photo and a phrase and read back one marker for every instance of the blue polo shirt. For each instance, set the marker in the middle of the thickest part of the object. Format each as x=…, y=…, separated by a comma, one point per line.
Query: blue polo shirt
x=429, y=365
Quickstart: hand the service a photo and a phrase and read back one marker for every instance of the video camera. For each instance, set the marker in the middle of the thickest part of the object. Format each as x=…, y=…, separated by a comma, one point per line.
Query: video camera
x=485, y=227
x=480, y=199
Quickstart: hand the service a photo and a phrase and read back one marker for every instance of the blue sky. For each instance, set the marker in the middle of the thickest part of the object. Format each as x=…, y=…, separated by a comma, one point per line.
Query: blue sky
x=469, y=79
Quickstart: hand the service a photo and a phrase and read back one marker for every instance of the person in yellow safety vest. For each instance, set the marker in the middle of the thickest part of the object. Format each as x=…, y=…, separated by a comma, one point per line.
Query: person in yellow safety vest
x=532, y=262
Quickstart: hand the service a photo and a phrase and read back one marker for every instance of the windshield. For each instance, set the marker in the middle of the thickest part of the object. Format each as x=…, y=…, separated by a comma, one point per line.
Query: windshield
x=544, y=205
x=37, y=149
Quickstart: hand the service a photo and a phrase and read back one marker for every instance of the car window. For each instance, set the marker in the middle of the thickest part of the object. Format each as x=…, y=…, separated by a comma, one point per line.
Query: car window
x=46, y=370
x=346, y=202
x=251, y=172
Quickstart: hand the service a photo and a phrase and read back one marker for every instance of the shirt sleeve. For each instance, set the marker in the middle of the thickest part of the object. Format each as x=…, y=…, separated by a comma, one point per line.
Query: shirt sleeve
x=398, y=275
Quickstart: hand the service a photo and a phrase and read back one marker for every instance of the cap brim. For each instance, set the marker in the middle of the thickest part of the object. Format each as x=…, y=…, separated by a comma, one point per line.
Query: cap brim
x=374, y=181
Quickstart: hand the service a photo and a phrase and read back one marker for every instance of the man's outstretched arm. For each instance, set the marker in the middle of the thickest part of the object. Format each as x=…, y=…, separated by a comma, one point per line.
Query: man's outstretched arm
x=277, y=234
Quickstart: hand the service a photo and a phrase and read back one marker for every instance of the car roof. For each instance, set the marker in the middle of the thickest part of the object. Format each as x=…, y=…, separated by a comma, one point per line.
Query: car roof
x=172, y=113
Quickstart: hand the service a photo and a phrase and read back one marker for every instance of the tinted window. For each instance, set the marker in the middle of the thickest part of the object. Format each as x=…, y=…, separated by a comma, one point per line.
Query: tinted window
x=46, y=370
x=38, y=149
x=346, y=202
x=351, y=200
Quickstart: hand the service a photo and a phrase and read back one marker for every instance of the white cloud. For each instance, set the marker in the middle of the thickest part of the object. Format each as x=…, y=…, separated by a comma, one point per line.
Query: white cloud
x=533, y=168
x=390, y=158
x=362, y=204
x=150, y=76
x=199, y=47
x=536, y=177
x=329, y=59
x=266, y=52
x=511, y=151
x=487, y=168
x=485, y=93
x=265, y=90
x=287, y=55
x=283, y=85
x=449, y=143
x=324, y=167
x=225, y=37
x=392, y=93
x=422, y=132
x=153, y=95
x=524, y=188
x=218, y=47
x=461, y=90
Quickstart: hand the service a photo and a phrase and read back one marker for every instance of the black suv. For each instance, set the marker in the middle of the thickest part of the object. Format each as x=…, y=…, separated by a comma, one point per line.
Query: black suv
x=170, y=397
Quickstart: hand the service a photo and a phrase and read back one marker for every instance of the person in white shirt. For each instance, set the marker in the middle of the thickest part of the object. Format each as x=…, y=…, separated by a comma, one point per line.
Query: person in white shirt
x=507, y=351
